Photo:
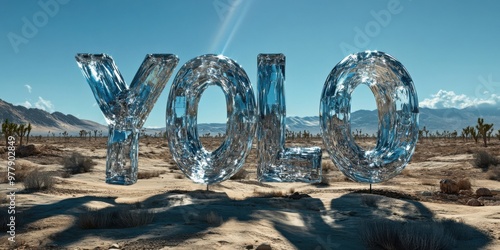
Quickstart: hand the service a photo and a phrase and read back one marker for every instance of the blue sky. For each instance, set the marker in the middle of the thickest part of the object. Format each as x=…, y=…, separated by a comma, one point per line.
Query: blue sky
x=450, y=48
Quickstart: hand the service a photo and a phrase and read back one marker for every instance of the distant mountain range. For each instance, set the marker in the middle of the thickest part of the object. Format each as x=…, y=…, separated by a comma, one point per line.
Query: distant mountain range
x=42, y=121
x=449, y=119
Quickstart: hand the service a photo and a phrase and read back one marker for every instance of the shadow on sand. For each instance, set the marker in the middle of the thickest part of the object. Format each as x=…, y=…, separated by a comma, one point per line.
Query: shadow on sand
x=182, y=215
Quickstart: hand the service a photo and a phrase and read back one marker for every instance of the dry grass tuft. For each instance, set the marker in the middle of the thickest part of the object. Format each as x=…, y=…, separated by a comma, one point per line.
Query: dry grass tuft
x=370, y=200
x=77, y=164
x=99, y=219
x=268, y=194
x=37, y=180
x=212, y=218
x=21, y=169
x=483, y=159
x=150, y=174
x=494, y=173
x=388, y=234
x=464, y=184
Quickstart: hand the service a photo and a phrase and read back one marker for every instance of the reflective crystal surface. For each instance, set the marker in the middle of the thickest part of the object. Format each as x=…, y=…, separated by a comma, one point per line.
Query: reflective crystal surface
x=125, y=108
x=277, y=163
x=397, y=105
x=193, y=78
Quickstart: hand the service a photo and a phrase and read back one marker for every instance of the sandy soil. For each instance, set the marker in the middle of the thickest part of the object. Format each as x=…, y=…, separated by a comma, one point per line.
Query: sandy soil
x=243, y=213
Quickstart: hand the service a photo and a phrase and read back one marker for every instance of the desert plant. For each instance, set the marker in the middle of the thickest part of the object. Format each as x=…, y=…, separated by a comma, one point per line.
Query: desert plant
x=483, y=159
x=388, y=234
x=483, y=129
x=494, y=173
x=28, y=131
x=77, y=163
x=112, y=218
x=150, y=174
x=36, y=180
x=464, y=184
x=8, y=129
x=473, y=133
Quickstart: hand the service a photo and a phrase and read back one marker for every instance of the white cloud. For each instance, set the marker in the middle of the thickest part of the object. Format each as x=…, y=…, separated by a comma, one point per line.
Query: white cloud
x=44, y=105
x=28, y=87
x=26, y=104
x=448, y=99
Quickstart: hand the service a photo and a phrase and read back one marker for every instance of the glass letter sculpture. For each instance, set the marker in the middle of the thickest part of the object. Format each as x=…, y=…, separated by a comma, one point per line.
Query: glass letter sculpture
x=125, y=107
x=277, y=163
x=200, y=165
x=397, y=106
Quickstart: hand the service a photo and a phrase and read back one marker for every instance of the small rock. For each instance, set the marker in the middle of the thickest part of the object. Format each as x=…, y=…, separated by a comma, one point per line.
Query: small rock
x=483, y=192
x=297, y=196
x=426, y=193
x=465, y=192
x=264, y=246
x=474, y=202
x=249, y=247
x=448, y=186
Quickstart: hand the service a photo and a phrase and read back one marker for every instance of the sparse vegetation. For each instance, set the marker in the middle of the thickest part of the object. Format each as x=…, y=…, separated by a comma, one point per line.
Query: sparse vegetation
x=21, y=170
x=36, y=180
x=212, y=218
x=268, y=194
x=388, y=234
x=77, y=164
x=150, y=174
x=483, y=159
x=494, y=173
x=112, y=218
x=483, y=129
x=464, y=184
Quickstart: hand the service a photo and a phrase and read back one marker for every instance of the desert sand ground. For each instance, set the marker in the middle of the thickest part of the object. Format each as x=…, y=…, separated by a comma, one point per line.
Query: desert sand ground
x=246, y=214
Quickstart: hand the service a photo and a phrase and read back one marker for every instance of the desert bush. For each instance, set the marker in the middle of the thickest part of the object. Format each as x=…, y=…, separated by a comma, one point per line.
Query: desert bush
x=240, y=175
x=20, y=169
x=370, y=200
x=483, y=159
x=77, y=164
x=150, y=174
x=464, y=184
x=388, y=234
x=269, y=194
x=37, y=180
x=99, y=219
x=212, y=218
x=494, y=173
x=327, y=166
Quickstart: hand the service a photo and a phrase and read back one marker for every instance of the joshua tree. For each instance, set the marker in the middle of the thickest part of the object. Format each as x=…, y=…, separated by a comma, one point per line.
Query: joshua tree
x=465, y=133
x=95, y=134
x=28, y=131
x=8, y=129
x=483, y=129
x=473, y=133
x=21, y=131
x=498, y=134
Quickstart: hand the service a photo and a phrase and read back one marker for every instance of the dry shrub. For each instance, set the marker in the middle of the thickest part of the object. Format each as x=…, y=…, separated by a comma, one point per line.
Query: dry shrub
x=21, y=170
x=269, y=194
x=483, y=159
x=240, y=175
x=99, y=219
x=388, y=234
x=212, y=218
x=37, y=180
x=370, y=200
x=464, y=184
x=77, y=164
x=327, y=166
x=494, y=173
x=150, y=174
